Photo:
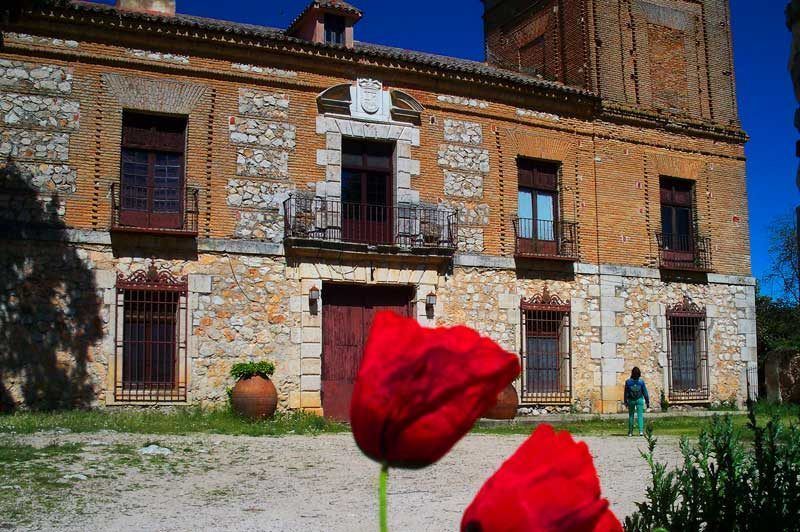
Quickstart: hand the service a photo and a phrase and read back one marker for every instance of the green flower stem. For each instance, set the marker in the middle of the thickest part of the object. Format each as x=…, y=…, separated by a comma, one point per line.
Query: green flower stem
x=382, y=497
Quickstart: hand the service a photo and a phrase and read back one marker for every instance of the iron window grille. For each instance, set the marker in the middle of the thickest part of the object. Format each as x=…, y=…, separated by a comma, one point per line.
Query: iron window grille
x=687, y=353
x=546, y=352
x=150, y=363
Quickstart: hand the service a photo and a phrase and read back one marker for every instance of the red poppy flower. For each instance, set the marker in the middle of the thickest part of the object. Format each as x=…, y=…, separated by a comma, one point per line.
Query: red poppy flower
x=419, y=390
x=549, y=484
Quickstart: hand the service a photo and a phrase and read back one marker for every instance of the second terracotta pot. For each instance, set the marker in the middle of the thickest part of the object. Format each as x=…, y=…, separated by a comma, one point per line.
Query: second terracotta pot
x=506, y=407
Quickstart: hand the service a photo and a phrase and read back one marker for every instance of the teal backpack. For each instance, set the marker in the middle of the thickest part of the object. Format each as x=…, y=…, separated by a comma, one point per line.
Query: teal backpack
x=636, y=390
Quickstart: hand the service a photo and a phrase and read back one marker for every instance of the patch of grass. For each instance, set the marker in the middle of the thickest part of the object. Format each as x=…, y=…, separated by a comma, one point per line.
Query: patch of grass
x=31, y=479
x=662, y=426
x=179, y=421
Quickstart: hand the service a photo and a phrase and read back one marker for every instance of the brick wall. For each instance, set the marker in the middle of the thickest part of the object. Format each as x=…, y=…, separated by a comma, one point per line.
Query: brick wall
x=671, y=55
x=609, y=179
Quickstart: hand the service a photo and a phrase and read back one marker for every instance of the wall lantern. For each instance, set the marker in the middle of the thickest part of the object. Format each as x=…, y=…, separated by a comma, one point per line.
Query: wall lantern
x=430, y=304
x=313, y=295
x=313, y=299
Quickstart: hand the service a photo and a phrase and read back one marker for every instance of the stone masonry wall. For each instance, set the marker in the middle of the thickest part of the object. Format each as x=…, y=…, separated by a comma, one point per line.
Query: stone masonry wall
x=263, y=147
x=37, y=118
x=238, y=310
x=618, y=320
x=465, y=164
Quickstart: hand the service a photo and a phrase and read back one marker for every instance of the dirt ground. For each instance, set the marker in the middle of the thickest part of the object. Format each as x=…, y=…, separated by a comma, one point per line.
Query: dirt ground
x=292, y=483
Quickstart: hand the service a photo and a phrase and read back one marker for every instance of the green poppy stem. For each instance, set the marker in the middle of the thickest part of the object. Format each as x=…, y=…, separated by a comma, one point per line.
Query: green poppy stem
x=382, y=497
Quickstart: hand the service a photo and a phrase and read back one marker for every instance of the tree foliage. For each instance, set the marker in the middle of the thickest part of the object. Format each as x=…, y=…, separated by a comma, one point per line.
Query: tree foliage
x=785, y=268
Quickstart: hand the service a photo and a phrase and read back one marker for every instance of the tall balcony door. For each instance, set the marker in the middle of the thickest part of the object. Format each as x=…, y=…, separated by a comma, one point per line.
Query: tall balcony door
x=367, y=214
x=537, y=201
x=677, y=221
x=152, y=171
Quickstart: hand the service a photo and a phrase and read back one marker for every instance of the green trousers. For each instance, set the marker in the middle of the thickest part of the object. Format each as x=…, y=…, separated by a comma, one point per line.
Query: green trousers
x=636, y=406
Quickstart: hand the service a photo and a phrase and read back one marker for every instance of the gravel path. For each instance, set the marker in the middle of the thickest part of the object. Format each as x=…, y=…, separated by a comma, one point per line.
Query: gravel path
x=297, y=483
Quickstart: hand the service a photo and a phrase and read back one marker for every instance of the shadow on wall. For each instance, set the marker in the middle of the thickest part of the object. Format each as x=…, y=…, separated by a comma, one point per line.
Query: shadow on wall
x=49, y=309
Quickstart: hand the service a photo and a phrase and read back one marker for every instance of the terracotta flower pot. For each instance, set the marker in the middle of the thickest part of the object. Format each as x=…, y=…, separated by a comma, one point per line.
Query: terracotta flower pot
x=255, y=398
x=506, y=407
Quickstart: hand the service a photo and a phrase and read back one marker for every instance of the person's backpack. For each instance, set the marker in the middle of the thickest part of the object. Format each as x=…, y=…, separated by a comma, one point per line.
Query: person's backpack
x=636, y=390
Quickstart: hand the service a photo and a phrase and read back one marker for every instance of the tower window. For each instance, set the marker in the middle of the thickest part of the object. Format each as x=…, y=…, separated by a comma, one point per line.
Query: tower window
x=334, y=29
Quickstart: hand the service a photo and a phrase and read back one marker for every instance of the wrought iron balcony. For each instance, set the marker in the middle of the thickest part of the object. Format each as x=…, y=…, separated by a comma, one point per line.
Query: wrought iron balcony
x=317, y=222
x=546, y=239
x=154, y=210
x=684, y=252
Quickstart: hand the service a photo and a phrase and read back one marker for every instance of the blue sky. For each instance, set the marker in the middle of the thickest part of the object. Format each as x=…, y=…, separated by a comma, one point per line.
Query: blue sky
x=455, y=27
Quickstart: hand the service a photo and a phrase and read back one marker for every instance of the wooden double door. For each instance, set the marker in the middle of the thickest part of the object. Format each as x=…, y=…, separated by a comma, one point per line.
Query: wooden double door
x=347, y=315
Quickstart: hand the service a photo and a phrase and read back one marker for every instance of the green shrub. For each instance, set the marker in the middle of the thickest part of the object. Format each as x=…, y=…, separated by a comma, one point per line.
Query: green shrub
x=664, y=401
x=725, y=484
x=245, y=370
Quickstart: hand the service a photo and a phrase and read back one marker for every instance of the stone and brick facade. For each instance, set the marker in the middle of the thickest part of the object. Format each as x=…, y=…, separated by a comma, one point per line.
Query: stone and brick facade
x=615, y=107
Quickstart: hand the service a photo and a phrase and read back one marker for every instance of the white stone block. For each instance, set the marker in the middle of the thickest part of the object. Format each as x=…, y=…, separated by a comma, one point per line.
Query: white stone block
x=615, y=335
x=613, y=364
x=596, y=349
x=414, y=167
x=333, y=141
x=509, y=301
x=322, y=127
x=311, y=350
x=296, y=304
x=616, y=304
x=310, y=383
x=403, y=180
x=404, y=149
x=309, y=271
x=608, y=350
x=747, y=326
x=105, y=278
x=608, y=318
x=199, y=283
x=322, y=157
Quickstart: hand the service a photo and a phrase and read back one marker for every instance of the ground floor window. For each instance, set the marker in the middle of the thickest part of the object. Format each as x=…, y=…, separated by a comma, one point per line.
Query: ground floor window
x=687, y=352
x=150, y=361
x=546, y=351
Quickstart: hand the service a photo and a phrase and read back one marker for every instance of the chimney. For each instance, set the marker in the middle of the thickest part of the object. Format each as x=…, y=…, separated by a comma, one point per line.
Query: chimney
x=154, y=7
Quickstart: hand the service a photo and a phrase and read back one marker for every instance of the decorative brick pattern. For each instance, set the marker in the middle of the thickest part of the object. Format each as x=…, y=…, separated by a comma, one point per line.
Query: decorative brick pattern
x=147, y=94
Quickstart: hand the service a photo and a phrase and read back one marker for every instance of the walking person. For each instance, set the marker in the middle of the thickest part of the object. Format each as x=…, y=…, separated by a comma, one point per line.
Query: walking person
x=636, y=397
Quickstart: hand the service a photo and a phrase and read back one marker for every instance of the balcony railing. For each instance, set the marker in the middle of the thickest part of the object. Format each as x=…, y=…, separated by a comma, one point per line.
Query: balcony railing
x=546, y=239
x=684, y=252
x=317, y=221
x=154, y=210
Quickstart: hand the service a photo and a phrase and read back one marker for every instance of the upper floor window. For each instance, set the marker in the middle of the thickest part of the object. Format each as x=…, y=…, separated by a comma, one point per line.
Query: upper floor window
x=334, y=29
x=537, y=199
x=152, y=171
x=677, y=214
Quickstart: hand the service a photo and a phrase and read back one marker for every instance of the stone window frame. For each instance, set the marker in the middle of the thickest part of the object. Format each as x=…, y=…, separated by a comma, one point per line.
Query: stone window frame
x=365, y=110
x=199, y=286
x=404, y=136
x=681, y=313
